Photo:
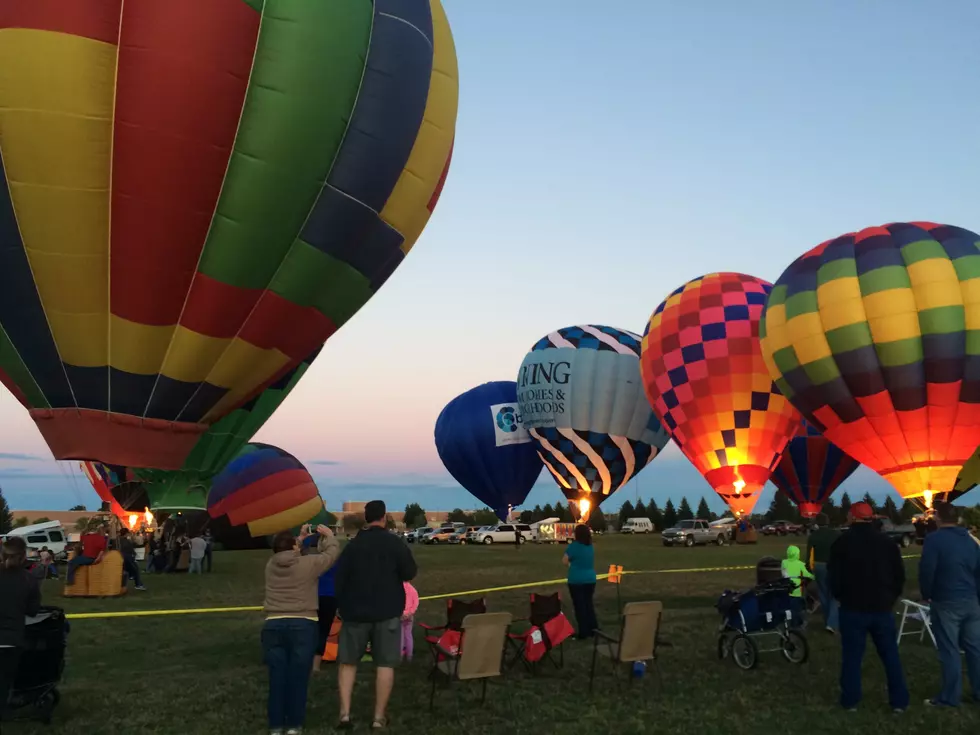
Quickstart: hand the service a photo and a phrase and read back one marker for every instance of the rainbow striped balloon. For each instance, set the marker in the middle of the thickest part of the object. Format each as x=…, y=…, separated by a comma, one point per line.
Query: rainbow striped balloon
x=265, y=488
x=194, y=195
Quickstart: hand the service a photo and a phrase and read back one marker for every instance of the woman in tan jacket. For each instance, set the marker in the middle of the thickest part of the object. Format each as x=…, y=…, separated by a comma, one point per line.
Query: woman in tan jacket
x=290, y=630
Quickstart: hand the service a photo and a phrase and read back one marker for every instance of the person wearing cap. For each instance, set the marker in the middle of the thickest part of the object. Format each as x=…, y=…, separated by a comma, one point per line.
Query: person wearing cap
x=949, y=580
x=867, y=576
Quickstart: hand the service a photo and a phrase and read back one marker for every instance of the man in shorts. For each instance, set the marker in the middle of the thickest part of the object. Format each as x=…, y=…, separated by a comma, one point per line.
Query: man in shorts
x=369, y=585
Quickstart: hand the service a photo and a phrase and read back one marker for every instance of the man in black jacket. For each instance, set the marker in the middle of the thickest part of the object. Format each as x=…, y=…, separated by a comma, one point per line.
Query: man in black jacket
x=19, y=596
x=867, y=576
x=370, y=590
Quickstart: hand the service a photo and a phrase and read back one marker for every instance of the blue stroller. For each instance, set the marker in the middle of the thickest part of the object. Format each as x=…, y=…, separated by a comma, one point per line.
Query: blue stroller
x=761, y=615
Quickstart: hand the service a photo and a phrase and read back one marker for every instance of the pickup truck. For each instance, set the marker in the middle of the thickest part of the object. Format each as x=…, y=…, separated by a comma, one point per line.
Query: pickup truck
x=693, y=532
x=782, y=528
x=903, y=535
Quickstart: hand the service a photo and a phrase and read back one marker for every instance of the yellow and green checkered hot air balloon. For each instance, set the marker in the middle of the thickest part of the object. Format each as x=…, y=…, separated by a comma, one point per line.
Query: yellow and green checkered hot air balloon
x=875, y=337
x=195, y=194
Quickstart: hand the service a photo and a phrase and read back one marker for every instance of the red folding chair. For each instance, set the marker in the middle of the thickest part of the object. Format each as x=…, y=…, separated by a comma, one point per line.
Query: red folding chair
x=549, y=628
x=447, y=637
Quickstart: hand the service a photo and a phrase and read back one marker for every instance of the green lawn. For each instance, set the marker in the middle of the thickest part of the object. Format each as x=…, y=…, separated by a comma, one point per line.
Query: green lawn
x=203, y=673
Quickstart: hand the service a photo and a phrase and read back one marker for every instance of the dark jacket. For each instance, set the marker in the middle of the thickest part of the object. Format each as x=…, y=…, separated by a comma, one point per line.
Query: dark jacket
x=371, y=574
x=19, y=596
x=950, y=566
x=818, y=545
x=866, y=570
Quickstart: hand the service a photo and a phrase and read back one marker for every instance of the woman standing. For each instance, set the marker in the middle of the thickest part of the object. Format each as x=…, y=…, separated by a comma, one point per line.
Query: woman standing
x=290, y=631
x=20, y=596
x=580, y=560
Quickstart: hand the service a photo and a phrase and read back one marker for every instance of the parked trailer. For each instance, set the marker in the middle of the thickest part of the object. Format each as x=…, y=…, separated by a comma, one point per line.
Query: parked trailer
x=554, y=532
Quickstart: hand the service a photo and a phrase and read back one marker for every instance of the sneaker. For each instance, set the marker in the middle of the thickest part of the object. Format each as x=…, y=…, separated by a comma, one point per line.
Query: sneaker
x=141, y=588
x=830, y=630
x=936, y=703
x=294, y=731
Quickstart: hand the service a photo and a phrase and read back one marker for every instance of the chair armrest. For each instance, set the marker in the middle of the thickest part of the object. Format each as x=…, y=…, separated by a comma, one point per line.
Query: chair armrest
x=432, y=627
x=605, y=636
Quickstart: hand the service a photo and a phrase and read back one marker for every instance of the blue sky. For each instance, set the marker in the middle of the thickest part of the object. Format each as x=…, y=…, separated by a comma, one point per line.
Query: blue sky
x=605, y=154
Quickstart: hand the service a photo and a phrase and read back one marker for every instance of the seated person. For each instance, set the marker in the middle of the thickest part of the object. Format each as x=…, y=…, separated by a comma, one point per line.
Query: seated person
x=47, y=562
x=93, y=549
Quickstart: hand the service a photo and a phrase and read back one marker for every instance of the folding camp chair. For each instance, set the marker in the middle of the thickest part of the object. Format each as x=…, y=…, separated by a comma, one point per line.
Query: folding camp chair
x=638, y=639
x=549, y=629
x=480, y=654
x=448, y=635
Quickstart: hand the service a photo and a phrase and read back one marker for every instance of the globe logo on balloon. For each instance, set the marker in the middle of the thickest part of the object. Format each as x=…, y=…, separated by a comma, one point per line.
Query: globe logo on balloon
x=507, y=419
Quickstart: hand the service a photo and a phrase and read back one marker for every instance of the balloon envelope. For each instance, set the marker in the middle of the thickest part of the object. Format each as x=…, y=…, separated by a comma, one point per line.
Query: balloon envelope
x=481, y=440
x=194, y=196
x=705, y=378
x=103, y=479
x=810, y=469
x=582, y=401
x=872, y=337
x=266, y=488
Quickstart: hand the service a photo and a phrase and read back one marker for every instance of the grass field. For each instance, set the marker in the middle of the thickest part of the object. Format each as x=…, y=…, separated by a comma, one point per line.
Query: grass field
x=203, y=673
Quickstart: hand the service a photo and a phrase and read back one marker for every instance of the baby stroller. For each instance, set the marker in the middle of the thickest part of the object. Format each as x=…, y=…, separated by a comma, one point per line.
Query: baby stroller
x=35, y=694
x=763, y=613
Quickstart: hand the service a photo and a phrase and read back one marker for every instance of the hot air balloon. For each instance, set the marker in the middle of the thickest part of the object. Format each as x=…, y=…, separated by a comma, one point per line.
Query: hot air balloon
x=190, y=206
x=481, y=440
x=581, y=399
x=705, y=378
x=103, y=479
x=870, y=335
x=810, y=469
x=265, y=488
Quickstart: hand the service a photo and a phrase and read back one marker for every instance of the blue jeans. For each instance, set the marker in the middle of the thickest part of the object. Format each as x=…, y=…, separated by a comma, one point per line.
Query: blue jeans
x=828, y=604
x=855, y=627
x=956, y=625
x=288, y=645
x=79, y=561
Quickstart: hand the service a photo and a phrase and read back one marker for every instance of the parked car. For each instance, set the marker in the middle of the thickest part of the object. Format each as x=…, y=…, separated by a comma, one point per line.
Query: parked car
x=471, y=535
x=782, y=528
x=690, y=533
x=439, y=535
x=904, y=534
x=415, y=536
x=504, y=533
x=459, y=536
x=637, y=525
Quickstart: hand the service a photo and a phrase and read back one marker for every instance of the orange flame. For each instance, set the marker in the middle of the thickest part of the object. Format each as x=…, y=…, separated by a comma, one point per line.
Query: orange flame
x=739, y=486
x=584, y=506
x=148, y=517
x=133, y=520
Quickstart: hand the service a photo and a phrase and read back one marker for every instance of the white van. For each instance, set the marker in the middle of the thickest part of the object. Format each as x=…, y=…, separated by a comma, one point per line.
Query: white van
x=637, y=525
x=51, y=534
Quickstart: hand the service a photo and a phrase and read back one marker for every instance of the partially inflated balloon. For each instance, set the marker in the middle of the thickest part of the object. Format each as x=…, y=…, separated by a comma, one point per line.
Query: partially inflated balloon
x=266, y=488
x=810, y=469
x=481, y=440
x=103, y=479
x=195, y=195
x=705, y=378
x=875, y=337
x=581, y=398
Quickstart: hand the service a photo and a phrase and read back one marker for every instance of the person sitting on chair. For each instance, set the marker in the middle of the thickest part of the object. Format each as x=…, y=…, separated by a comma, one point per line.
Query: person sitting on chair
x=93, y=549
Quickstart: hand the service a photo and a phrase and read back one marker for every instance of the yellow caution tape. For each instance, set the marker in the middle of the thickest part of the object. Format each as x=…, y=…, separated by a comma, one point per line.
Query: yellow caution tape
x=464, y=593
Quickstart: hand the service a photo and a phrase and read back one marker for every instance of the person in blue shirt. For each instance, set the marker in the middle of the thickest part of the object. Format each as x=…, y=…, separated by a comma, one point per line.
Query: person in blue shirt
x=580, y=560
x=949, y=580
x=327, y=604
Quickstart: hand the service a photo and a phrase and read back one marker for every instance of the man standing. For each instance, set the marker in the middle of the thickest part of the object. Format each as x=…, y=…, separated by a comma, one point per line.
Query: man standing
x=949, y=579
x=867, y=576
x=199, y=549
x=128, y=551
x=370, y=591
x=818, y=544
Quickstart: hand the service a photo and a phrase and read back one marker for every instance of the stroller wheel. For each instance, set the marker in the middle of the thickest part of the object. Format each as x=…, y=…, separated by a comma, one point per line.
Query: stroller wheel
x=795, y=647
x=724, y=645
x=744, y=652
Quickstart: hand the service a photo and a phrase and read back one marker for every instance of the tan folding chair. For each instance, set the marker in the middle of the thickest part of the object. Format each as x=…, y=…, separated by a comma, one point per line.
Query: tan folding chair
x=637, y=641
x=479, y=656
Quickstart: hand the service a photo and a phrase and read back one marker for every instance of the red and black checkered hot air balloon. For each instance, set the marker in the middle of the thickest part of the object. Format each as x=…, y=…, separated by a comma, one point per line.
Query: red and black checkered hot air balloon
x=195, y=194
x=810, y=469
x=704, y=375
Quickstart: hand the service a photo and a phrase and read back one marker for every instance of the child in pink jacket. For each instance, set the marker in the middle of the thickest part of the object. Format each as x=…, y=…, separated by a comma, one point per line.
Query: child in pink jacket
x=408, y=618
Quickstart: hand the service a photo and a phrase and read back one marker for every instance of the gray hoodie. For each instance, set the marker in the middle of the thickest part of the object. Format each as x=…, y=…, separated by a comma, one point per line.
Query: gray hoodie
x=291, y=580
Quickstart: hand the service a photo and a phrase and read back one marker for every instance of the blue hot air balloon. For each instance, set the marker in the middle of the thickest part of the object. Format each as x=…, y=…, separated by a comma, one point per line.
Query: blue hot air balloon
x=482, y=442
x=582, y=400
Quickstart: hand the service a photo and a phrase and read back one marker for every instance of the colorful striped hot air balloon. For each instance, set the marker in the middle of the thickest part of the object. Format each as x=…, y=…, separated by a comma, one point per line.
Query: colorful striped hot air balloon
x=103, y=479
x=265, y=488
x=580, y=398
x=874, y=337
x=195, y=195
x=810, y=469
x=705, y=378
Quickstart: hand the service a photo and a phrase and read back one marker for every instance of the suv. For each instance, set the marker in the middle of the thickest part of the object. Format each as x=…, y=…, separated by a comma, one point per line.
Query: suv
x=474, y=532
x=416, y=535
x=504, y=533
x=440, y=535
x=693, y=532
x=782, y=528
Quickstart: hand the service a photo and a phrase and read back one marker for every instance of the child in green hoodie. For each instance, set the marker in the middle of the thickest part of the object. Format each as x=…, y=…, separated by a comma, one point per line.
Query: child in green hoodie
x=795, y=569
